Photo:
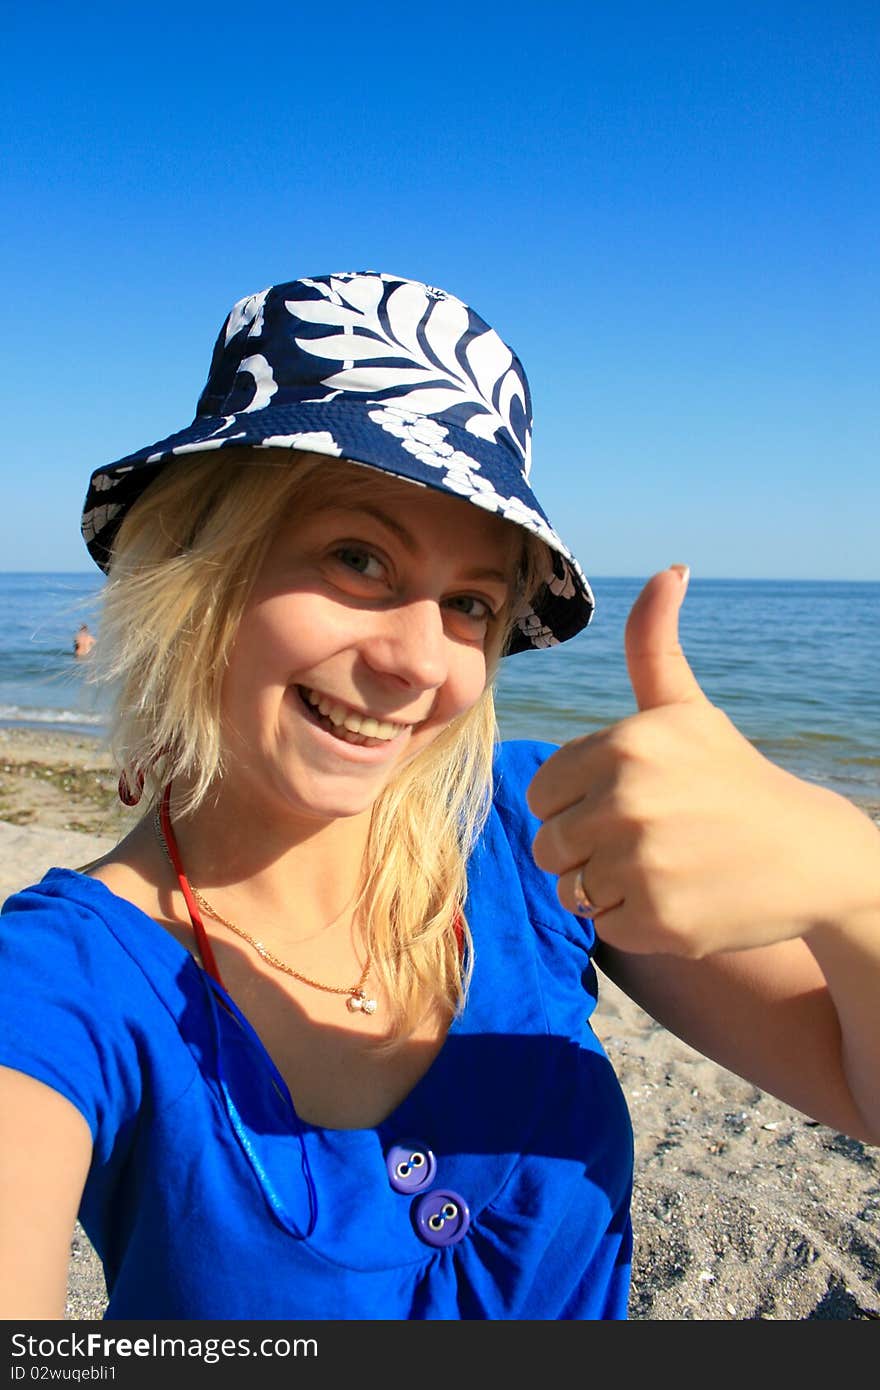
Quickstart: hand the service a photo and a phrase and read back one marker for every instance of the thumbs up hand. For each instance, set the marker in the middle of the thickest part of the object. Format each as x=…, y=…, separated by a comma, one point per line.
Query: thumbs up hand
x=669, y=828
x=658, y=670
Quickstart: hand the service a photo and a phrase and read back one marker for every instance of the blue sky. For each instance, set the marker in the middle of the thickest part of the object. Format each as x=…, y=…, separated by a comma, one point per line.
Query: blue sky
x=669, y=210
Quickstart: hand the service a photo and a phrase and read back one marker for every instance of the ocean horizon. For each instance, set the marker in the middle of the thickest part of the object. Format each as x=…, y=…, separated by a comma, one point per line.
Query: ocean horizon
x=794, y=663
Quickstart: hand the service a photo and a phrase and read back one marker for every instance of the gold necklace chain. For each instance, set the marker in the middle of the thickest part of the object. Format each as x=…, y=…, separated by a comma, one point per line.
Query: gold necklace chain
x=356, y=1001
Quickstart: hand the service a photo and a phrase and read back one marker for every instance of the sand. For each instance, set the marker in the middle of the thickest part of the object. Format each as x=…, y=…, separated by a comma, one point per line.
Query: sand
x=743, y=1208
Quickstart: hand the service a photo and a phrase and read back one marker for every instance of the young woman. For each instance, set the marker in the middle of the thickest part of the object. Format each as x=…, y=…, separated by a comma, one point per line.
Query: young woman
x=313, y=1040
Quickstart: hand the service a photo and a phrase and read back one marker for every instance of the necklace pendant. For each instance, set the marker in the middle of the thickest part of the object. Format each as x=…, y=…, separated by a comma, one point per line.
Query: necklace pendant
x=357, y=1002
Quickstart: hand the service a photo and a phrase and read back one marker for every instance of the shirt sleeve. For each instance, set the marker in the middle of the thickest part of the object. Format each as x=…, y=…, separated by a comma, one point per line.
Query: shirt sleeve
x=59, y=1017
x=516, y=763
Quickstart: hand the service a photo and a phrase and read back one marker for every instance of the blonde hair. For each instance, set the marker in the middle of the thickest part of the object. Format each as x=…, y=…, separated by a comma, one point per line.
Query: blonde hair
x=183, y=566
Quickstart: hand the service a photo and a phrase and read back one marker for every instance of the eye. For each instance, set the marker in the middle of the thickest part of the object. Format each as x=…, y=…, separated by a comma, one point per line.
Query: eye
x=356, y=557
x=469, y=606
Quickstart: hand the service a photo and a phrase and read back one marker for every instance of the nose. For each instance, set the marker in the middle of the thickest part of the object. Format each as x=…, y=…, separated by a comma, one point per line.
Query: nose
x=408, y=643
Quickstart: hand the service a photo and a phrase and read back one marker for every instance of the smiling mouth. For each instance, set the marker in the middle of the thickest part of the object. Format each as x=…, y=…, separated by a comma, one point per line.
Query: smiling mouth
x=344, y=723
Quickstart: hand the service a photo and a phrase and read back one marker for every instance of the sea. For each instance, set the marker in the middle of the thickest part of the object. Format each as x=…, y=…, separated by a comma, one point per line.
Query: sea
x=794, y=663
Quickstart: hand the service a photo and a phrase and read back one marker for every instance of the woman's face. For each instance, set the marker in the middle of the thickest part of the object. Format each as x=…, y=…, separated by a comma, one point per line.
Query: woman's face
x=374, y=616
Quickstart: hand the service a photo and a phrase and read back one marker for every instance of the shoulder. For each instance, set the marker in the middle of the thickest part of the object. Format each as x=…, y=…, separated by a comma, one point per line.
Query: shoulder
x=508, y=838
x=70, y=938
x=104, y=987
x=74, y=934
x=56, y=953
x=62, y=920
x=58, y=905
x=515, y=763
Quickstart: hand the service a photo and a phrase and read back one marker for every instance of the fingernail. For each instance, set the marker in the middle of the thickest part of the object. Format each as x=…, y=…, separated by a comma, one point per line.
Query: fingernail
x=683, y=572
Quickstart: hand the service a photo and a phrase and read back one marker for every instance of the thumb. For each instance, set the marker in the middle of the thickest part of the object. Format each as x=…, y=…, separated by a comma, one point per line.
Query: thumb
x=658, y=669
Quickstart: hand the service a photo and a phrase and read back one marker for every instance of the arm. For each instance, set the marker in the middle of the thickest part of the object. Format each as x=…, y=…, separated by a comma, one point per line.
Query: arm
x=767, y=1015
x=45, y=1152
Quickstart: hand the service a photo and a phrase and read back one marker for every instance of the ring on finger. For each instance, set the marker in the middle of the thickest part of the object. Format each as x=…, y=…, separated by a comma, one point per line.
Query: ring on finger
x=583, y=906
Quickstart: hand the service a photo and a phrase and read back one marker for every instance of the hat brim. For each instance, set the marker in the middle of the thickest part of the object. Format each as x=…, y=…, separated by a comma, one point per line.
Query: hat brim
x=418, y=448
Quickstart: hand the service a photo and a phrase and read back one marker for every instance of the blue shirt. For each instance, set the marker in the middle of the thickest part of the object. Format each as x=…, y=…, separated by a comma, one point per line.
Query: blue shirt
x=207, y=1196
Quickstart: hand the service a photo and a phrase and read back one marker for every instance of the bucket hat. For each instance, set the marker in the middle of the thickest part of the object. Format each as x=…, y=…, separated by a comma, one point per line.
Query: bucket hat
x=381, y=371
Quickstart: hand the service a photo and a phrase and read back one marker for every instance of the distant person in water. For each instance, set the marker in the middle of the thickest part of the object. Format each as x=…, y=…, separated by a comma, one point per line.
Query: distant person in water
x=83, y=641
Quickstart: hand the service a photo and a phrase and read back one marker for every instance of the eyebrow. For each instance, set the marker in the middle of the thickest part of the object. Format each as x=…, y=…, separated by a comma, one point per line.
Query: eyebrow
x=408, y=540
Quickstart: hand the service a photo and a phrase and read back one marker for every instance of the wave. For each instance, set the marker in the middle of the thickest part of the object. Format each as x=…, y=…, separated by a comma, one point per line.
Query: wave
x=22, y=714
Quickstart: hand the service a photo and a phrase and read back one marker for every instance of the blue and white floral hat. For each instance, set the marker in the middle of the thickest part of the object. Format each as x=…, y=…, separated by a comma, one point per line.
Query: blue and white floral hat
x=381, y=371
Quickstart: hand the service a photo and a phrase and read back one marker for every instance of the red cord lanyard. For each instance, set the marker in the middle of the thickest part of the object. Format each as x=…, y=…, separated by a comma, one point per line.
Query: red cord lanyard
x=204, y=944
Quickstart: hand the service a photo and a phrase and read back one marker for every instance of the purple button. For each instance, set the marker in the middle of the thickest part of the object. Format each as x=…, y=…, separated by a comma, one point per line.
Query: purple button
x=441, y=1218
x=411, y=1167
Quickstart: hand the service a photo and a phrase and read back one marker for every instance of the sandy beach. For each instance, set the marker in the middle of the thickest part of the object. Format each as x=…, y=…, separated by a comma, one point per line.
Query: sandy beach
x=743, y=1207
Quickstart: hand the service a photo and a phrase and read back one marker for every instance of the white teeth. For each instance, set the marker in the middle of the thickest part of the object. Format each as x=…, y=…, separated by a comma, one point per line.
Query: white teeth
x=367, y=726
x=341, y=717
